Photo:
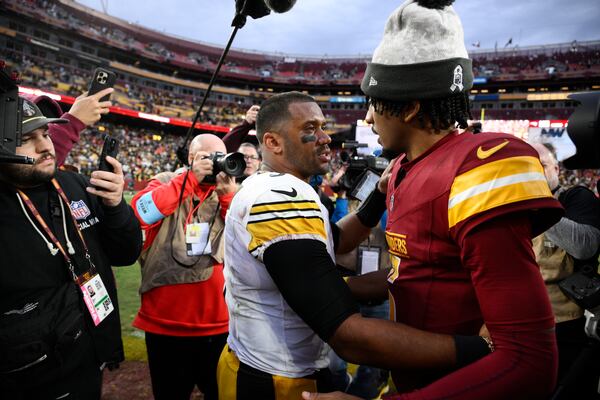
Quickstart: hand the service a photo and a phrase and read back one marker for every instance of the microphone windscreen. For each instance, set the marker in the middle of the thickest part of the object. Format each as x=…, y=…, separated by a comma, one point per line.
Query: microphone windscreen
x=253, y=8
x=280, y=6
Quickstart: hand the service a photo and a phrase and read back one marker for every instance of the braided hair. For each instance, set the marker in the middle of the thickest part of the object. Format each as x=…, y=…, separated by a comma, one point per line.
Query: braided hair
x=442, y=113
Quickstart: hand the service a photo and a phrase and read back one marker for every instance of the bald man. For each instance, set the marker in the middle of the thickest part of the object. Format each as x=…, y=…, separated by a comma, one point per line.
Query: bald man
x=183, y=311
x=560, y=251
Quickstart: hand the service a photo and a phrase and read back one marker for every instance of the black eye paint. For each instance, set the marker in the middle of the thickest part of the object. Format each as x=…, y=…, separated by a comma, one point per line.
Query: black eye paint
x=309, y=138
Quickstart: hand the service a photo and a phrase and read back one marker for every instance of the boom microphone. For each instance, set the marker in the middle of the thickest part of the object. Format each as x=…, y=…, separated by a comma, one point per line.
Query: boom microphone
x=280, y=6
x=243, y=8
x=259, y=8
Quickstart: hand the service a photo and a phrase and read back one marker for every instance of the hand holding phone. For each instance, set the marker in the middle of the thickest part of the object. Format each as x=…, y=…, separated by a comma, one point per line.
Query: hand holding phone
x=110, y=148
x=102, y=79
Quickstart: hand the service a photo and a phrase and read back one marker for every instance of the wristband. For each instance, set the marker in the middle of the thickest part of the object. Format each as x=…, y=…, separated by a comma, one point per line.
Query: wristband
x=372, y=209
x=471, y=348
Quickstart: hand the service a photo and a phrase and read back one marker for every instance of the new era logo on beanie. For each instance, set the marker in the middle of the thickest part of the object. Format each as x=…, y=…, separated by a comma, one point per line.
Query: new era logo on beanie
x=422, y=54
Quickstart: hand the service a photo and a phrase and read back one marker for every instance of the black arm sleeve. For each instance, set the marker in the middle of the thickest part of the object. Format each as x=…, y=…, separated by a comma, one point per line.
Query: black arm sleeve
x=335, y=233
x=120, y=234
x=306, y=277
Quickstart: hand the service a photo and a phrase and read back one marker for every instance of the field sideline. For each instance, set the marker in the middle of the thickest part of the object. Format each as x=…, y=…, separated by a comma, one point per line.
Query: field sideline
x=128, y=283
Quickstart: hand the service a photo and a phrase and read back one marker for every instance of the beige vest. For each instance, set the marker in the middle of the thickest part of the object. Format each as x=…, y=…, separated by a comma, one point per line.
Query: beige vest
x=555, y=265
x=166, y=261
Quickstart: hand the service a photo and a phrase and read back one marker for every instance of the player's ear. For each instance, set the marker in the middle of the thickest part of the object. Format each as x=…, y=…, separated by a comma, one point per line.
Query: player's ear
x=273, y=142
x=410, y=111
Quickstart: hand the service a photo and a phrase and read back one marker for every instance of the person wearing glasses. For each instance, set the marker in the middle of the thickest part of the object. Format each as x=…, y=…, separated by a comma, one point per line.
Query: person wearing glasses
x=252, y=158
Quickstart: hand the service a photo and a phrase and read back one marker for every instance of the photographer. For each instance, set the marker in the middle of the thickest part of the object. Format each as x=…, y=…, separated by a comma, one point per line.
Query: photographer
x=560, y=251
x=59, y=238
x=183, y=311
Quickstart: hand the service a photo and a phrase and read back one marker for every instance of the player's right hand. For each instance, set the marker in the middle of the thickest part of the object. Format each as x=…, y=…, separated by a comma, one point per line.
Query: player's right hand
x=382, y=185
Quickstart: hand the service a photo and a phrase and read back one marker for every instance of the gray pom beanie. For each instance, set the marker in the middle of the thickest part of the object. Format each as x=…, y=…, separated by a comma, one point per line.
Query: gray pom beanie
x=422, y=54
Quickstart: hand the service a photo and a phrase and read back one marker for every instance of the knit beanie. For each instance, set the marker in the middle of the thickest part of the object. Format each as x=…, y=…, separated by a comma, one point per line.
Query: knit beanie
x=422, y=54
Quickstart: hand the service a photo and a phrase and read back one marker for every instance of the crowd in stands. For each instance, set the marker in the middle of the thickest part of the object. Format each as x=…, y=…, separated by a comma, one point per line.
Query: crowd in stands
x=573, y=60
x=146, y=152
x=149, y=155
x=71, y=81
x=583, y=177
x=143, y=153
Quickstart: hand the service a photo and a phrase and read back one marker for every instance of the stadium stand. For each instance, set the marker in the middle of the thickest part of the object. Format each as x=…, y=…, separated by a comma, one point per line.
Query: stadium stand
x=165, y=76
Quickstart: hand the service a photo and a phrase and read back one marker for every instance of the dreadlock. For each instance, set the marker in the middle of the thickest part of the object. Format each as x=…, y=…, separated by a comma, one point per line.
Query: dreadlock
x=441, y=113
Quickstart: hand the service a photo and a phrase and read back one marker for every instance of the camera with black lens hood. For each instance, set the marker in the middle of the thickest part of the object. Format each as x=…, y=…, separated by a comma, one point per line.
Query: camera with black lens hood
x=363, y=171
x=233, y=164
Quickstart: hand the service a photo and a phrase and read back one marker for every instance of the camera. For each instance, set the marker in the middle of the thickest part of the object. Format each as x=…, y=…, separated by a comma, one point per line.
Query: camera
x=11, y=126
x=233, y=164
x=583, y=287
x=363, y=171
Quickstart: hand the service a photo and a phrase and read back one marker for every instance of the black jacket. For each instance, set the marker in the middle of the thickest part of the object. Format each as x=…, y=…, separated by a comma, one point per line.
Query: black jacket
x=31, y=278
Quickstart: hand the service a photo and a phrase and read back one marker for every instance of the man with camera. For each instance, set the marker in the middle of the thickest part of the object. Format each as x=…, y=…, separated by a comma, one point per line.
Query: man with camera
x=59, y=315
x=183, y=310
x=561, y=251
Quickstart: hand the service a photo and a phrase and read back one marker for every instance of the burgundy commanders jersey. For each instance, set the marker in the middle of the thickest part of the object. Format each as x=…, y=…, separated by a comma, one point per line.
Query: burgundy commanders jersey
x=462, y=181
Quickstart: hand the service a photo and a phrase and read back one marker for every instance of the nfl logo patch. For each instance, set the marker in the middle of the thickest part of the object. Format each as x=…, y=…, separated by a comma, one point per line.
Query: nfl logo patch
x=79, y=209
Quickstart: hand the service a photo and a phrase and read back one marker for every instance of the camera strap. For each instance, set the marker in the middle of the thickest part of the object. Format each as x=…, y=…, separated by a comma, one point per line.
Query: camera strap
x=95, y=295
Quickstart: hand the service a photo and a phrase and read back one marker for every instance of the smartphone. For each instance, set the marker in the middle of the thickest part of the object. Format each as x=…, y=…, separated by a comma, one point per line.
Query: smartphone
x=110, y=148
x=103, y=78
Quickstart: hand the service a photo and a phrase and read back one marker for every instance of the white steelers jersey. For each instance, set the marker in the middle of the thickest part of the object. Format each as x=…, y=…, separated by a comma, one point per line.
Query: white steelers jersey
x=264, y=332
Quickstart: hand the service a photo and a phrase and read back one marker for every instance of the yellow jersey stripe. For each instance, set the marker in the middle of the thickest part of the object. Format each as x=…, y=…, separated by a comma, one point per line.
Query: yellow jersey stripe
x=498, y=196
x=288, y=205
x=495, y=184
x=265, y=231
x=494, y=170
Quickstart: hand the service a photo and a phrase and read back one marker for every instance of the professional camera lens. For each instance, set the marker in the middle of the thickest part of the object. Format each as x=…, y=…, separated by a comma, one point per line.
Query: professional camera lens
x=233, y=164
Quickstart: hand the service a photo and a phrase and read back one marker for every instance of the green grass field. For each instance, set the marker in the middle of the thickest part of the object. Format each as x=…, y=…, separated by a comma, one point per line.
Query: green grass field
x=128, y=283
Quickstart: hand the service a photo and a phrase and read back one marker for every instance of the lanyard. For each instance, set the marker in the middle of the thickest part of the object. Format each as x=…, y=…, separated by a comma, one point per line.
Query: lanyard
x=193, y=209
x=51, y=235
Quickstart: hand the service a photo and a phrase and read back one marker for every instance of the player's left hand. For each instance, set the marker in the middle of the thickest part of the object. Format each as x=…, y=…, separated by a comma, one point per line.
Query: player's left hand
x=225, y=184
x=328, y=396
x=108, y=185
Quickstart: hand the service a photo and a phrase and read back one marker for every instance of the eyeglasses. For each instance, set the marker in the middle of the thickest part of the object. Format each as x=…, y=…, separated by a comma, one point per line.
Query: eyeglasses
x=249, y=158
